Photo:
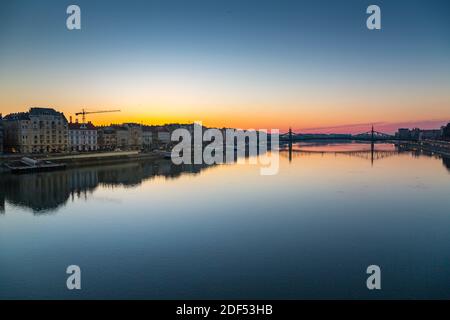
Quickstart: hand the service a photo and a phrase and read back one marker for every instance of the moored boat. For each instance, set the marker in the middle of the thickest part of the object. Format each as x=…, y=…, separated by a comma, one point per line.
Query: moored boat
x=26, y=165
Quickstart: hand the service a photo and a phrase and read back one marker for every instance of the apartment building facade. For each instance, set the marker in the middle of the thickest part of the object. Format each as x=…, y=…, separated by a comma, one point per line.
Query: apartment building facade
x=147, y=138
x=107, y=138
x=163, y=135
x=83, y=137
x=1, y=134
x=446, y=132
x=134, y=135
x=124, y=137
x=40, y=130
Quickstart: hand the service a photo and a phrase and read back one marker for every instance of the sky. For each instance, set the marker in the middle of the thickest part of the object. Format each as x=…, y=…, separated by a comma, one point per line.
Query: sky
x=310, y=65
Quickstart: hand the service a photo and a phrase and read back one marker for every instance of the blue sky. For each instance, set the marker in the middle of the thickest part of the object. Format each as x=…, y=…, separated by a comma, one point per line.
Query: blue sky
x=313, y=63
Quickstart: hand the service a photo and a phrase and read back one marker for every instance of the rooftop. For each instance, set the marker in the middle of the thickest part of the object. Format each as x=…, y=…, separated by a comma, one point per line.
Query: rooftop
x=17, y=116
x=34, y=112
x=81, y=126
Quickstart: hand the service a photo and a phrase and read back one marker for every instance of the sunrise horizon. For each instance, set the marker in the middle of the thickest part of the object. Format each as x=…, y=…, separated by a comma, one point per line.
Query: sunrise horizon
x=230, y=64
x=258, y=124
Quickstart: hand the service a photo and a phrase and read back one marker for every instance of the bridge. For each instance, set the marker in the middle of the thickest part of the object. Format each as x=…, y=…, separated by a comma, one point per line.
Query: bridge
x=371, y=136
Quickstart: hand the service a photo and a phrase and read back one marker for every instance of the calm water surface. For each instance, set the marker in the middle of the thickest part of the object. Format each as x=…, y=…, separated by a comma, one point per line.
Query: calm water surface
x=154, y=230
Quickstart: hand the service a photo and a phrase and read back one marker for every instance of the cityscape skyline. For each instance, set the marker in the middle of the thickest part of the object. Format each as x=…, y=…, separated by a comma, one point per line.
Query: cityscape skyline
x=388, y=127
x=252, y=64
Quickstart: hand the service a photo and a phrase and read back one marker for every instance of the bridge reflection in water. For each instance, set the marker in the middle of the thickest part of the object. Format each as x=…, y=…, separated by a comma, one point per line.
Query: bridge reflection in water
x=371, y=152
x=46, y=192
x=359, y=150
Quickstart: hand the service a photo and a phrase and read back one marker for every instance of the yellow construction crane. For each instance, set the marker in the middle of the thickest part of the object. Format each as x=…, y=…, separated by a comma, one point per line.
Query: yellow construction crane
x=83, y=113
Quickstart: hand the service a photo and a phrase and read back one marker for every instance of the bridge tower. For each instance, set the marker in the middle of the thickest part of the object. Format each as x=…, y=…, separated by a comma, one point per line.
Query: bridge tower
x=372, y=145
x=290, y=144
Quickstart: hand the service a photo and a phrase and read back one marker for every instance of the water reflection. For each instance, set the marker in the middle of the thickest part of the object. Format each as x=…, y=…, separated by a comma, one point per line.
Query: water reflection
x=46, y=192
x=446, y=163
x=367, y=151
x=231, y=233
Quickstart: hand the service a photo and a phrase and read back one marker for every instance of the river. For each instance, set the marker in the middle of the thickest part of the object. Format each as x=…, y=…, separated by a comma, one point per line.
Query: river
x=153, y=230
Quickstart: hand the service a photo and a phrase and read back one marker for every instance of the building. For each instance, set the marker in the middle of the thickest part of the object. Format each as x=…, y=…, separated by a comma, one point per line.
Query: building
x=107, y=138
x=415, y=134
x=430, y=134
x=134, y=136
x=41, y=130
x=147, y=138
x=446, y=132
x=82, y=137
x=163, y=135
x=404, y=133
x=1, y=134
x=124, y=137
x=418, y=134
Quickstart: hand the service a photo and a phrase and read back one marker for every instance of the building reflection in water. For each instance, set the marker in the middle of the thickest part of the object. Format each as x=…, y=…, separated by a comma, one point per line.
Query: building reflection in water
x=2, y=195
x=446, y=162
x=46, y=192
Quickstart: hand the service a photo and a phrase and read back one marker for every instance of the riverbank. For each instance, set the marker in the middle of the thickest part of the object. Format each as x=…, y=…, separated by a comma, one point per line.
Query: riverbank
x=438, y=147
x=88, y=159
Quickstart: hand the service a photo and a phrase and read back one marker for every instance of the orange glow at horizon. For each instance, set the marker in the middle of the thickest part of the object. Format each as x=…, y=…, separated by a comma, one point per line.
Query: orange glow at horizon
x=313, y=115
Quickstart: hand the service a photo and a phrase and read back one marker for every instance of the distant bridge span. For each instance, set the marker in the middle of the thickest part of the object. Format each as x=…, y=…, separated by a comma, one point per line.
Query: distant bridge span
x=371, y=136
